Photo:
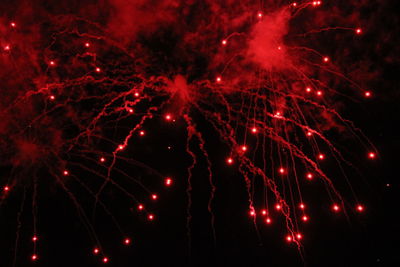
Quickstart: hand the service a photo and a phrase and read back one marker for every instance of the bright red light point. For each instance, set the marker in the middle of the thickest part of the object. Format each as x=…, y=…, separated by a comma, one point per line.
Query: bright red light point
x=102, y=159
x=268, y=221
x=218, y=79
x=127, y=241
x=281, y=170
x=105, y=259
x=336, y=207
x=34, y=238
x=254, y=130
x=140, y=207
x=224, y=42
x=325, y=59
x=121, y=147
x=294, y=4
x=252, y=213
x=168, y=181
x=150, y=217
x=319, y=93
x=289, y=238
x=264, y=212
x=360, y=208
x=259, y=14
x=168, y=117
x=6, y=188
x=52, y=97
x=358, y=31
x=309, y=176
x=371, y=155
x=308, y=89
x=98, y=69
x=367, y=94
x=34, y=257
x=7, y=48
x=229, y=161
x=321, y=156
x=304, y=218
x=52, y=63
x=154, y=196
x=278, y=207
x=244, y=148
x=130, y=110
x=66, y=172
x=96, y=251
x=136, y=94
x=299, y=236
x=302, y=206
x=87, y=44
x=12, y=24
x=141, y=133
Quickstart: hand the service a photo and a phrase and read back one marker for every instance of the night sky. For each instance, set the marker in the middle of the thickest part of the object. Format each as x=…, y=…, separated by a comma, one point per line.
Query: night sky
x=109, y=106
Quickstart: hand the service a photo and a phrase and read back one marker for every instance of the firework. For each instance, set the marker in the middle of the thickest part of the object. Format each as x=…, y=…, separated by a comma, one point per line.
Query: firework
x=82, y=90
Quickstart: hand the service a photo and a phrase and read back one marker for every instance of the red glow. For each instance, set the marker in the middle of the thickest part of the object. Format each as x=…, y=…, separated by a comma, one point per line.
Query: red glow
x=229, y=161
x=268, y=221
x=140, y=207
x=308, y=90
x=289, y=238
x=218, y=79
x=7, y=48
x=371, y=155
x=87, y=44
x=360, y=208
x=358, y=31
x=282, y=170
x=127, y=241
x=66, y=172
x=252, y=213
x=141, y=133
x=150, y=217
x=154, y=196
x=321, y=156
x=168, y=181
x=309, y=176
x=304, y=218
x=299, y=236
x=254, y=130
x=264, y=212
x=326, y=59
x=168, y=117
x=34, y=238
x=12, y=24
x=52, y=97
x=102, y=159
x=259, y=14
x=105, y=260
x=96, y=251
x=121, y=147
x=335, y=207
x=224, y=42
x=98, y=69
x=367, y=94
x=6, y=188
x=243, y=148
x=319, y=93
x=52, y=63
x=302, y=206
x=278, y=207
x=34, y=257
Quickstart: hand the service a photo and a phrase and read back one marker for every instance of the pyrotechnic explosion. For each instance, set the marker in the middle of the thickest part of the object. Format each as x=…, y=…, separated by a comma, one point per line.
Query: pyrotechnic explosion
x=80, y=89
